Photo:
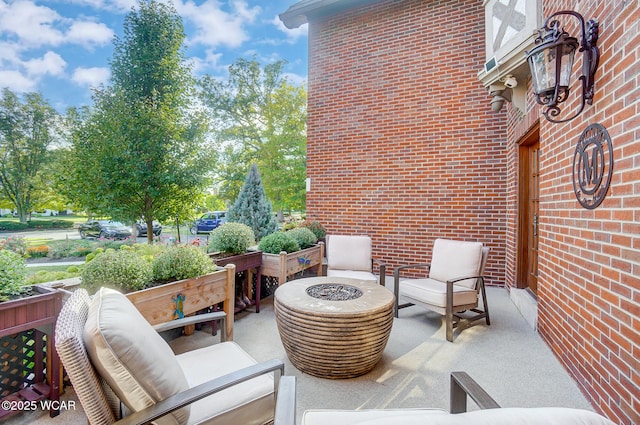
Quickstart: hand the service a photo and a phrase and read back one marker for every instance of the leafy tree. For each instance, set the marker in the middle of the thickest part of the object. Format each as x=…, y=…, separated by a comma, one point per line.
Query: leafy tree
x=252, y=206
x=260, y=118
x=142, y=150
x=27, y=130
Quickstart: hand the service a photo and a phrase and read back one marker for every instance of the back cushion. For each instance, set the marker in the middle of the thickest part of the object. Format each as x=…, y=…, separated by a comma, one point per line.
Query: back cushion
x=349, y=252
x=130, y=355
x=454, y=259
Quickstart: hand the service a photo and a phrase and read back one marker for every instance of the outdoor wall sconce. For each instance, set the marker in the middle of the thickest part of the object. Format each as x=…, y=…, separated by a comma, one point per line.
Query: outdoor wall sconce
x=551, y=62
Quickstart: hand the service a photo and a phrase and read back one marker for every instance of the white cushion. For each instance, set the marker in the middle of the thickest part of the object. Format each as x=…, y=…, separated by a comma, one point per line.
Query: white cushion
x=454, y=259
x=505, y=416
x=349, y=252
x=249, y=403
x=354, y=274
x=130, y=355
x=434, y=292
x=353, y=417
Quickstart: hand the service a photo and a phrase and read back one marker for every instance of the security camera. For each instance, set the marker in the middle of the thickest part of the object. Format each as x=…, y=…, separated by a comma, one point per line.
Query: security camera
x=510, y=81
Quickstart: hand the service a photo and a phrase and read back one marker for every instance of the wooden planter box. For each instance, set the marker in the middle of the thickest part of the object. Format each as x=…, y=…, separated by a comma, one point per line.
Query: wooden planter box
x=39, y=312
x=160, y=303
x=244, y=262
x=283, y=265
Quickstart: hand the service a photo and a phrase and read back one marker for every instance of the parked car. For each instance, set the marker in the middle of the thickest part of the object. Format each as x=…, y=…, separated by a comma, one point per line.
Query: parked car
x=141, y=228
x=208, y=221
x=104, y=229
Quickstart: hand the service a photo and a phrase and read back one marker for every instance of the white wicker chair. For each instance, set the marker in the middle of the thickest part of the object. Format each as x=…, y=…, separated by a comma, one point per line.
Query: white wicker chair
x=108, y=348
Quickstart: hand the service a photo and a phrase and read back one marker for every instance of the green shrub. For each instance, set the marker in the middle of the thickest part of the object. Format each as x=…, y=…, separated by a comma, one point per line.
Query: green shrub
x=12, y=225
x=181, y=262
x=73, y=269
x=277, y=242
x=117, y=269
x=303, y=236
x=315, y=226
x=231, y=237
x=13, y=275
x=49, y=224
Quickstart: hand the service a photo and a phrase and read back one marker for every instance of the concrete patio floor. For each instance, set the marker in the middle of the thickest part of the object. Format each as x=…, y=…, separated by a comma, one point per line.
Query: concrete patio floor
x=508, y=359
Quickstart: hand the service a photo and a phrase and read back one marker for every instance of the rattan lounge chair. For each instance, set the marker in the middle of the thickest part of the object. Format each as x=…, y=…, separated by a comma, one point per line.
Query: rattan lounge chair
x=118, y=364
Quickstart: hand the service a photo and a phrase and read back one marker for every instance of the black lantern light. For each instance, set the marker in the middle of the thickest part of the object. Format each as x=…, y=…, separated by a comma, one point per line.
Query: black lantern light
x=551, y=61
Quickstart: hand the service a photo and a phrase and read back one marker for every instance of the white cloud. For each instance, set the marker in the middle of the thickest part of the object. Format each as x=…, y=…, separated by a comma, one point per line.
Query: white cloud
x=211, y=61
x=292, y=34
x=295, y=79
x=91, y=77
x=32, y=25
x=214, y=26
x=51, y=63
x=16, y=82
x=87, y=34
x=111, y=5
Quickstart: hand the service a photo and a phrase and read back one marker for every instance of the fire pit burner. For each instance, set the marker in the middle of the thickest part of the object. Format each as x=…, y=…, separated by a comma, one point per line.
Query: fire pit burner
x=334, y=292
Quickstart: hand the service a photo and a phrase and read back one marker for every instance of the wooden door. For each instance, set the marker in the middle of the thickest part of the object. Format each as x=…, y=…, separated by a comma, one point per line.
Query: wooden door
x=529, y=212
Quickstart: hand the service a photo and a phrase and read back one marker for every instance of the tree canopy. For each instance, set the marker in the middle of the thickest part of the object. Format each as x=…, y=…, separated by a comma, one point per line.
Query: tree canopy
x=142, y=149
x=259, y=117
x=27, y=131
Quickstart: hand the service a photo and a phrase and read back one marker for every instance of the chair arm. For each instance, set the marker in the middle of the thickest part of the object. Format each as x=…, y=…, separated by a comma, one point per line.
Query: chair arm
x=458, y=279
x=286, y=402
x=196, y=318
x=396, y=271
x=462, y=385
x=201, y=391
x=382, y=268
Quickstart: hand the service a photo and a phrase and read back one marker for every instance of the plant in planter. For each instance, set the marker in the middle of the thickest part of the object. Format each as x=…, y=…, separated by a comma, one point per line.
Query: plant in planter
x=228, y=244
x=277, y=242
x=232, y=238
x=316, y=227
x=26, y=314
x=180, y=262
x=122, y=270
x=282, y=256
x=164, y=282
x=13, y=275
x=305, y=237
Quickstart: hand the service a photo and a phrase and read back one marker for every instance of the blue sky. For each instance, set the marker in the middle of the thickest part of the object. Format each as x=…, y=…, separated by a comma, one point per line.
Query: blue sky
x=62, y=48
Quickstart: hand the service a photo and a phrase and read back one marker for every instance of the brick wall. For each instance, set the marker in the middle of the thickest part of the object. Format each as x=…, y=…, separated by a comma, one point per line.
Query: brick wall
x=402, y=143
x=589, y=265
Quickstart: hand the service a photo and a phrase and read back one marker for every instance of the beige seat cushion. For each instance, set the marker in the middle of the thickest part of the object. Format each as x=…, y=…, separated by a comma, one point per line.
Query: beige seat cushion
x=506, y=416
x=454, y=259
x=130, y=355
x=354, y=274
x=248, y=403
x=434, y=292
x=349, y=252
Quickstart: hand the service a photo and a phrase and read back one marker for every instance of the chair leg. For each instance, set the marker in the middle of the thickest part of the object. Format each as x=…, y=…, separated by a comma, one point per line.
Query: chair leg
x=396, y=292
x=449, y=312
x=484, y=301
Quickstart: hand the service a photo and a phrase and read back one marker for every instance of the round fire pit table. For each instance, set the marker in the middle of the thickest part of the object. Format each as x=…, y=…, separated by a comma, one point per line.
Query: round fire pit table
x=333, y=327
